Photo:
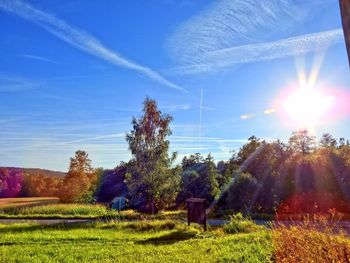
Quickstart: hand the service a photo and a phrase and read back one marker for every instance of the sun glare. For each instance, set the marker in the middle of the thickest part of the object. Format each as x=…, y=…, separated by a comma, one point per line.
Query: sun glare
x=307, y=106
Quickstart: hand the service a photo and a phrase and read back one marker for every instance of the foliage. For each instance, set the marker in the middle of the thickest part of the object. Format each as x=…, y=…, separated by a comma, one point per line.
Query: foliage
x=199, y=178
x=11, y=180
x=301, y=141
x=297, y=177
x=152, y=182
x=40, y=185
x=112, y=184
x=241, y=194
x=80, y=183
x=239, y=224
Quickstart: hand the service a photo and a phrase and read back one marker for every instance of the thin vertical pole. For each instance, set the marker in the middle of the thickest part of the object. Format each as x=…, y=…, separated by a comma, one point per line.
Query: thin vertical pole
x=188, y=214
x=345, y=15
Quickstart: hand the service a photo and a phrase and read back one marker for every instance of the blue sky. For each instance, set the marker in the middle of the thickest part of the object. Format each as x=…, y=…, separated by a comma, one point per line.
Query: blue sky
x=73, y=73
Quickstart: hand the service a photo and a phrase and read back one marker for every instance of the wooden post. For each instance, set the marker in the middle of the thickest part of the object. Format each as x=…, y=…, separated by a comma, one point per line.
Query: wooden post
x=345, y=14
x=196, y=211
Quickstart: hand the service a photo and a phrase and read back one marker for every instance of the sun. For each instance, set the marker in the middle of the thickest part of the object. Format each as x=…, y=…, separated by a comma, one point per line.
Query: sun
x=307, y=106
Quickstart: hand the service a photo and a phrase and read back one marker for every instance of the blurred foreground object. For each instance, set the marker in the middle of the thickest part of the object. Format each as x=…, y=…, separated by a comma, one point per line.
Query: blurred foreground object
x=345, y=14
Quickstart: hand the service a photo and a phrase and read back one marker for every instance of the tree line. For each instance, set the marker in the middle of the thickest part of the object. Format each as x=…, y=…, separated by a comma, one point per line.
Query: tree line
x=301, y=175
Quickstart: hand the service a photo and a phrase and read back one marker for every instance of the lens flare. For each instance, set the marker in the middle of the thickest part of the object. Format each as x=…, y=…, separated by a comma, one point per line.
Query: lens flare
x=307, y=106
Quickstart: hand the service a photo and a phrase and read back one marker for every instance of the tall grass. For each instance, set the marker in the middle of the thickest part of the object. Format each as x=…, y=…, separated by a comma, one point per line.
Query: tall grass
x=311, y=241
x=65, y=209
x=70, y=211
x=85, y=211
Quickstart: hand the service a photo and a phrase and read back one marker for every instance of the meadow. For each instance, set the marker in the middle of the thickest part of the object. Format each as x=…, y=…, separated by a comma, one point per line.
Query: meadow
x=17, y=203
x=156, y=241
x=130, y=236
x=48, y=208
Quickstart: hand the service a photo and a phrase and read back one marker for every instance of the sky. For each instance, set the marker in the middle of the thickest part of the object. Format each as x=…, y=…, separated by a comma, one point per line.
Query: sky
x=74, y=73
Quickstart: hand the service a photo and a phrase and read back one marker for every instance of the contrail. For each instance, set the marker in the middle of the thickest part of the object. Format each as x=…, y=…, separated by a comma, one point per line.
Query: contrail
x=200, y=116
x=79, y=39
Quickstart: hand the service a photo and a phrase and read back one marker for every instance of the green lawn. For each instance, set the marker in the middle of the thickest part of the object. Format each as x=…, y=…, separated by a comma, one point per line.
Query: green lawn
x=143, y=241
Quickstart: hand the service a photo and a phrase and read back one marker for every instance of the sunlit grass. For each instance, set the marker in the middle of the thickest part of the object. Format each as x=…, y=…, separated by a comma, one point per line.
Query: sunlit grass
x=239, y=224
x=84, y=211
x=12, y=203
x=153, y=241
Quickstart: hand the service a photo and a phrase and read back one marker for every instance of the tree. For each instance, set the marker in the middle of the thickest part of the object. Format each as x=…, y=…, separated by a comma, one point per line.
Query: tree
x=248, y=149
x=191, y=160
x=151, y=181
x=80, y=182
x=241, y=194
x=38, y=184
x=11, y=180
x=209, y=179
x=301, y=141
x=223, y=169
x=328, y=141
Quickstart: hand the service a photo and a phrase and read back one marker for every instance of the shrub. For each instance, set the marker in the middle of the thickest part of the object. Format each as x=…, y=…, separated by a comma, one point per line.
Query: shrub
x=240, y=194
x=239, y=224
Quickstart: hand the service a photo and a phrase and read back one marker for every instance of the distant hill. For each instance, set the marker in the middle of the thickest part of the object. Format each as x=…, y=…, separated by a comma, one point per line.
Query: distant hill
x=35, y=171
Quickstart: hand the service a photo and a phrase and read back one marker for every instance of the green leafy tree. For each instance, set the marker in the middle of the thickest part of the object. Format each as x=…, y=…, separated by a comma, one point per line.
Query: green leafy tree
x=188, y=162
x=241, y=194
x=247, y=150
x=209, y=179
x=152, y=182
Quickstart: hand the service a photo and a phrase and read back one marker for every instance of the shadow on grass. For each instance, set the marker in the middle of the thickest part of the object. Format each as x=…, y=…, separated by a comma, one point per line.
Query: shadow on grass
x=15, y=228
x=170, y=238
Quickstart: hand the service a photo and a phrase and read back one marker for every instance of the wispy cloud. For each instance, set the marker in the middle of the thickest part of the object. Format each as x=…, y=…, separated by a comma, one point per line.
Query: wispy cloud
x=175, y=107
x=224, y=58
x=232, y=32
x=39, y=58
x=79, y=39
x=16, y=83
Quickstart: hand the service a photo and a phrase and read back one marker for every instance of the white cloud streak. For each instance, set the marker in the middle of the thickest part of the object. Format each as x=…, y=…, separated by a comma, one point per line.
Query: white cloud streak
x=38, y=58
x=175, y=107
x=16, y=83
x=224, y=58
x=79, y=39
x=233, y=32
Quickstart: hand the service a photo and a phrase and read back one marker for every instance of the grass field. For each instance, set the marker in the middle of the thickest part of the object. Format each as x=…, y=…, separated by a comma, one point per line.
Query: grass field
x=33, y=208
x=15, y=203
x=156, y=241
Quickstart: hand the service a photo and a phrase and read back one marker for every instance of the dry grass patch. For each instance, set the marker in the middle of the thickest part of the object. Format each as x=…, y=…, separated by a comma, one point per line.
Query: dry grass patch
x=312, y=241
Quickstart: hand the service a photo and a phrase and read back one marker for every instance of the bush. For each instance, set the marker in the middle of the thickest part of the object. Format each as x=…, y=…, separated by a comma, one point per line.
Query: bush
x=240, y=194
x=239, y=224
